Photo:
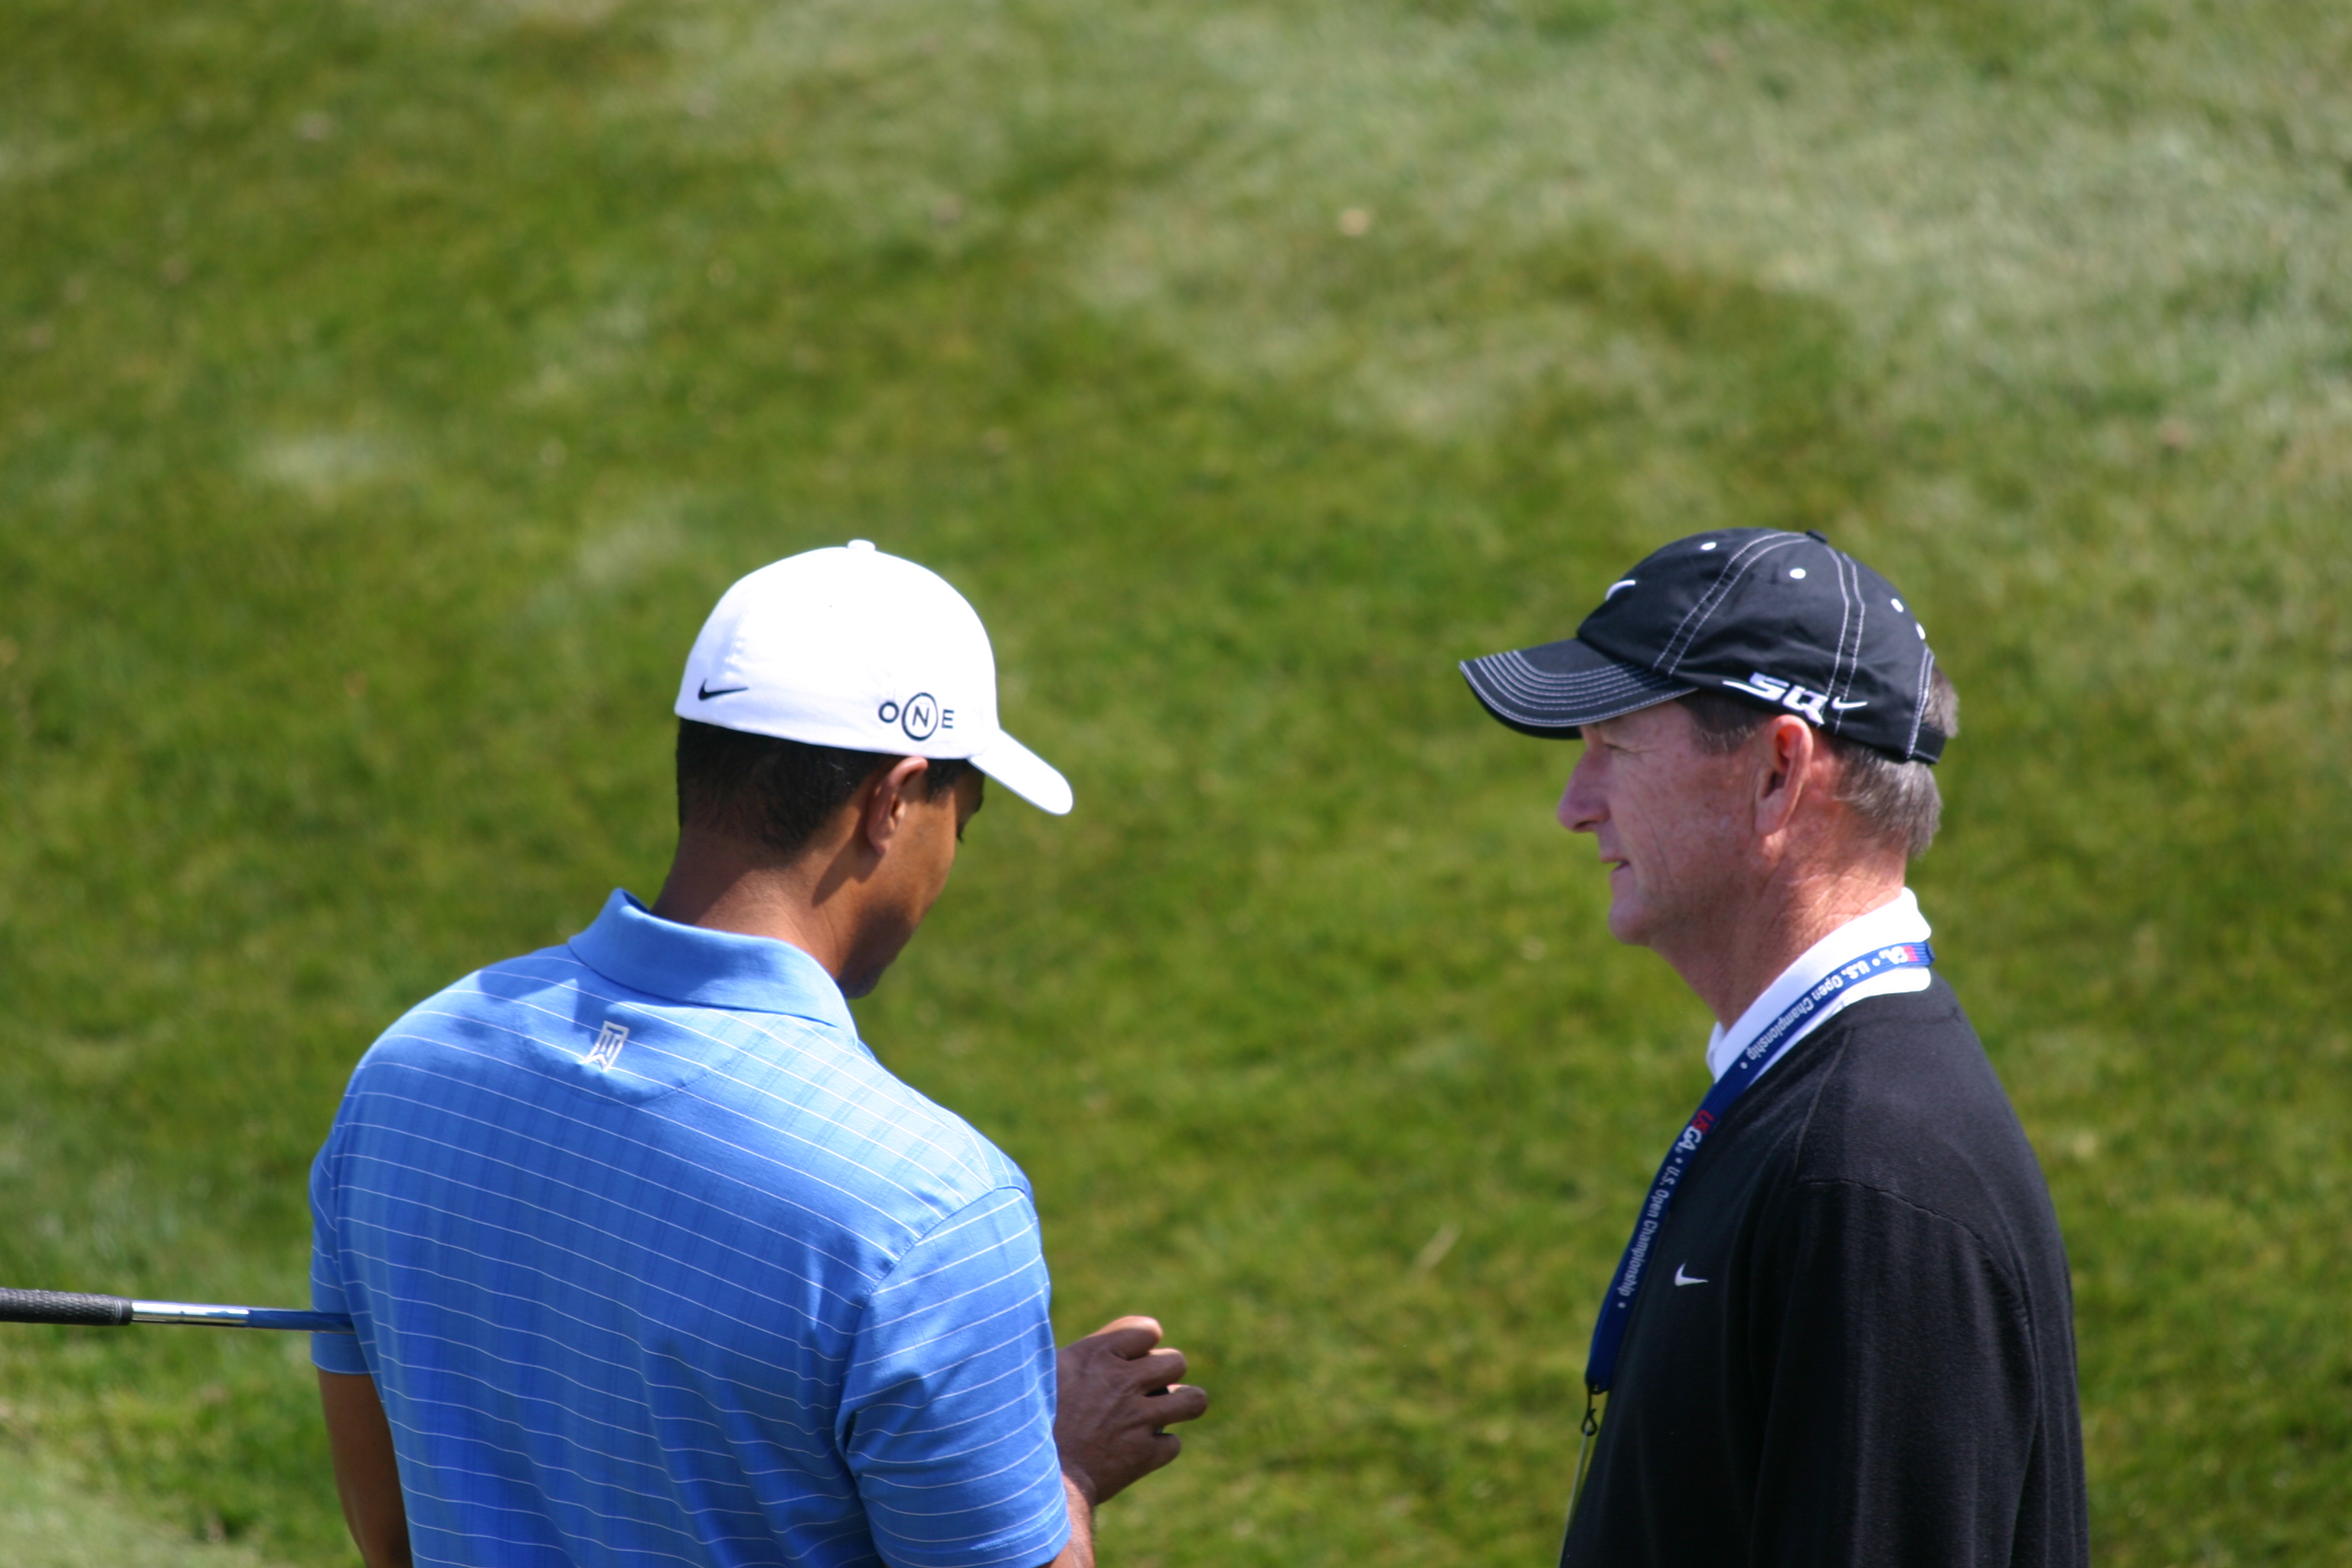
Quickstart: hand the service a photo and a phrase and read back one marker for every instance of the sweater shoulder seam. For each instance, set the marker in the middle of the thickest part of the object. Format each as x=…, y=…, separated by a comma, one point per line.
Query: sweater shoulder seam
x=1991, y=1252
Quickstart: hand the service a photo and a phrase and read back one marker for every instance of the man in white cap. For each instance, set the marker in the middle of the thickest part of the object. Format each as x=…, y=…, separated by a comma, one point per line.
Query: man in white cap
x=1843, y=1330
x=650, y=1260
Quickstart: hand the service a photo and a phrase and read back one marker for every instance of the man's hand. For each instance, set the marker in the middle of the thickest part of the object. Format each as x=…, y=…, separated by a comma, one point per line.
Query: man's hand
x=1118, y=1396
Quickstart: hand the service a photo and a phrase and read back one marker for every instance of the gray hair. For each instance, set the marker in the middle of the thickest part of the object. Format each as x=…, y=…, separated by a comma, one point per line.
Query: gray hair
x=1898, y=801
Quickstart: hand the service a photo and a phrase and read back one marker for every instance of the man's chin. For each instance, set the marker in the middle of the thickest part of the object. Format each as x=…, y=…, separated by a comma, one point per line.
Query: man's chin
x=857, y=983
x=1628, y=924
x=868, y=961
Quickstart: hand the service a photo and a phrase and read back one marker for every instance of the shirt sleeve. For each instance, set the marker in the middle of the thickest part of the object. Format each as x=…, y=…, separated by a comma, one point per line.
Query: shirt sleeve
x=1902, y=1414
x=328, y=1353
x=947, y=1413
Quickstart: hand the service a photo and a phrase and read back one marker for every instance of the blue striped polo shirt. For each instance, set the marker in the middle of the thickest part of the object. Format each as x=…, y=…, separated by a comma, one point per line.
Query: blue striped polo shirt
x=652, y=1262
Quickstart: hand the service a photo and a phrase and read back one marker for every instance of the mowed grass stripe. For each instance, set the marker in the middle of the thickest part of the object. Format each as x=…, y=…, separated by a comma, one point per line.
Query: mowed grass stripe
x=389, y=394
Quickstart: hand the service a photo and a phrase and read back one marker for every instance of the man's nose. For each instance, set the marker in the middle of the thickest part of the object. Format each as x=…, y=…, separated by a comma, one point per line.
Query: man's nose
x=1580, y=809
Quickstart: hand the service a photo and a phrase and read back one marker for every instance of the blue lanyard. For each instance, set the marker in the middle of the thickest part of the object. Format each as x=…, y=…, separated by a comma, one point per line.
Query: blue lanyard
x=1618, y=1306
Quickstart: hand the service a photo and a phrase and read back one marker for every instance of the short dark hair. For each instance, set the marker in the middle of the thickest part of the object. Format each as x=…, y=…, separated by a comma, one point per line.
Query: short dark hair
x=1896, y=800
x=778, y=792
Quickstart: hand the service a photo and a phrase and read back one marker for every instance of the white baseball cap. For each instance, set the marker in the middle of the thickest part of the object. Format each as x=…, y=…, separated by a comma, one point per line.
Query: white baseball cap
x=847, y=647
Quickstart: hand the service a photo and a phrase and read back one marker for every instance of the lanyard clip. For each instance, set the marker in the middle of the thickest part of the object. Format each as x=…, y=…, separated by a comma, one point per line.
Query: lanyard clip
x=1590, y=1427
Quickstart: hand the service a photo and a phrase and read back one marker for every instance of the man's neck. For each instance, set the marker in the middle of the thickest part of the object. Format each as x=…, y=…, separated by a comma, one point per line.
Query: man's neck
x=724, y=884
x=1753, y=945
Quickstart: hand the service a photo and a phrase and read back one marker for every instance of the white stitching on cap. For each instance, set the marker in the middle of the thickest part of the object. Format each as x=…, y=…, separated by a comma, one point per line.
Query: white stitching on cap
x=1511, y=675
x=1734, y=568
x=1728, y=567
x=1725, y=565
x=1919, y=701
x=1569, y=691
x=1531, y=680
x=1854, y=611
x=1610, y=704
x=1514, y=669
x=1512, y=682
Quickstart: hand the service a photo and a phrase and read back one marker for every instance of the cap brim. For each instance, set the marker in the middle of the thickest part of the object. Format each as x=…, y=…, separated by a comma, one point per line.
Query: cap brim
x=1555, y=688
x=1026, y=774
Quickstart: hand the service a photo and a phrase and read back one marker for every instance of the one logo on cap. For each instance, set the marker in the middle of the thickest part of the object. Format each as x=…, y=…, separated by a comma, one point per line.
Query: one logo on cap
x=921, y=717
x=706, y=691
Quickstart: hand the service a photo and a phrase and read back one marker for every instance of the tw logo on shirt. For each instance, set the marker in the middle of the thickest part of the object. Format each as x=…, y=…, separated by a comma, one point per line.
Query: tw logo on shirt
x=607, y=1048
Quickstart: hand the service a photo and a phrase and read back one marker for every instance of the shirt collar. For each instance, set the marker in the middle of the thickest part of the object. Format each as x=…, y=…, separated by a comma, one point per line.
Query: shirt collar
x=1896, y=920
x=707, y=968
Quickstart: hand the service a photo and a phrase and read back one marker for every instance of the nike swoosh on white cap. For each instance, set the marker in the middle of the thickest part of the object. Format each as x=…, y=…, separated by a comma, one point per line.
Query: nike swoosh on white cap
x=849, y=647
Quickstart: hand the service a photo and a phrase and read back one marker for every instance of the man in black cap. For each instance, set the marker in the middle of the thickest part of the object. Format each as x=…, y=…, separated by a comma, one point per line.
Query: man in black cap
x=1843, y=1330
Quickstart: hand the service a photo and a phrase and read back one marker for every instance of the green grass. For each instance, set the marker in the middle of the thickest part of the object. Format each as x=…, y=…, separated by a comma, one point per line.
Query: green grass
x=51, y=1522
x=386, y=390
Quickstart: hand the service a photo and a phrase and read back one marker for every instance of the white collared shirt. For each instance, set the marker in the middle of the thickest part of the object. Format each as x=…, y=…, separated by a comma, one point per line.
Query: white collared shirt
x=1896, y=920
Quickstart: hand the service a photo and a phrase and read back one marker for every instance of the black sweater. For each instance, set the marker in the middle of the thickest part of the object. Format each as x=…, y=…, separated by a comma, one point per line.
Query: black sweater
x=1873, y=1362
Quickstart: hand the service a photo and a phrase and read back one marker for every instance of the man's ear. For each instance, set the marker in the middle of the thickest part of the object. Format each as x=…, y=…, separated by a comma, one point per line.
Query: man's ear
x=1786, y=750
x=892, y=799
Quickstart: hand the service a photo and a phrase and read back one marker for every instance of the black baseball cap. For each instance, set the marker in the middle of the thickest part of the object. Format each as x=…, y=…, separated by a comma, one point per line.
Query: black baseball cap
x=1780, y=620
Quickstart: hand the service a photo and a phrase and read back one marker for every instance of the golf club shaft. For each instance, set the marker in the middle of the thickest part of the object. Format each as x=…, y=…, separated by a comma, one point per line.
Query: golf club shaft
x=118, y=1312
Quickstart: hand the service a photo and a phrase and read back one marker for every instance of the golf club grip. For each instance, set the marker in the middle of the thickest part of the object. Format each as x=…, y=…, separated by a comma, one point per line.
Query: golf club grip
x=64, y=1307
